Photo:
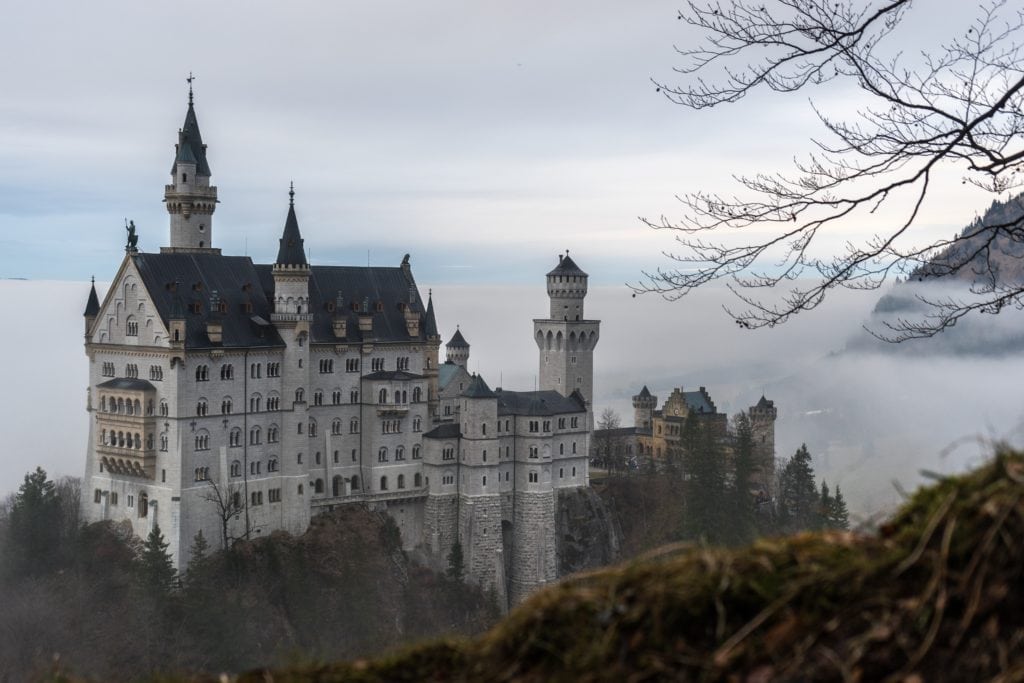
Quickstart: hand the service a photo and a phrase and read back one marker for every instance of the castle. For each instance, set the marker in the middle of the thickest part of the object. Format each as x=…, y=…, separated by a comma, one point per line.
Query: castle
x=658, y=433
x=235, y=399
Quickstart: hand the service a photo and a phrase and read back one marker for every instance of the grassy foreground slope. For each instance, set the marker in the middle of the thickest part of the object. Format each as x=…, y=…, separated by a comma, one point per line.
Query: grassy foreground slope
x=937, y=595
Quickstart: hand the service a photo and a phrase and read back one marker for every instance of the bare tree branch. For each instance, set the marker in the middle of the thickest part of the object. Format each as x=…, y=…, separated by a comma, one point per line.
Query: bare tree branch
x=952, y=110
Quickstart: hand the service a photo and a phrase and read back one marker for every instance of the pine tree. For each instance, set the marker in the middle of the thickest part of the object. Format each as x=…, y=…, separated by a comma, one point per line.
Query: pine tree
x=156, y=570
x=456, y=564
x=798, y=496
x=742, y=525
x=822, y=517
x=198, y=553
x=34, y=528
x=704, y=484
x=839, y=517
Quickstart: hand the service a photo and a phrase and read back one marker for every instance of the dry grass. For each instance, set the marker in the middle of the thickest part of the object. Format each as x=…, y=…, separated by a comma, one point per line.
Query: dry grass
x=936, y=596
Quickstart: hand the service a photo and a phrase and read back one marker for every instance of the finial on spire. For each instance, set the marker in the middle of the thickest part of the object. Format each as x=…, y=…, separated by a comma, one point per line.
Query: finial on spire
x=94, y=279
x=190, y=79
x=291, y=194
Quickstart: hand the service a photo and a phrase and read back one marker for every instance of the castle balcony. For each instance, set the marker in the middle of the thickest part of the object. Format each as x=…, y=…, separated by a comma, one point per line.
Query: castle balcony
x=130, y=462
x=372, y=497
x=395, y=410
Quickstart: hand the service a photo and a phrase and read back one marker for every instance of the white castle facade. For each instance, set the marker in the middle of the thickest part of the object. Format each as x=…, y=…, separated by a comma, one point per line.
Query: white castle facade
x=237, y=398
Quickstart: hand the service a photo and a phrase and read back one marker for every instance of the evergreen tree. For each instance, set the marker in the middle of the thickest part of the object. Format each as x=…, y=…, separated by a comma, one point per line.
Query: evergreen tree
x=798, y=496
x=156, y=569
x=838, y=516
x=704, y=485
x=456, y=564
x=823, y=516
x=742, y=524
x=34, y=527
x=199, y=551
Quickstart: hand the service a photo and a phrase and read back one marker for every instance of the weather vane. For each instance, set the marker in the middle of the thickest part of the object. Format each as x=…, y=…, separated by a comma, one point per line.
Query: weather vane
x=189, y=80
x=291, y=193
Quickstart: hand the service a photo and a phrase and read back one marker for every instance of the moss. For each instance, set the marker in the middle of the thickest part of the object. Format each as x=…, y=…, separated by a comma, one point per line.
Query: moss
x=935, y=596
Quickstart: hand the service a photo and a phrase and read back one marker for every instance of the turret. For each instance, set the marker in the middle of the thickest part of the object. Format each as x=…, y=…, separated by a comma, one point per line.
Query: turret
x=92, y=308
x=566, y=340
x=291, y=270
x=457, y=349
x=567, y=288
x=643, y=409
x=190, y=199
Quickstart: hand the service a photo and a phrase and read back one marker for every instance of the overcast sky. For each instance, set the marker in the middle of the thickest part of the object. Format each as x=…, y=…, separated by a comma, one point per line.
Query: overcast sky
x=482, y=138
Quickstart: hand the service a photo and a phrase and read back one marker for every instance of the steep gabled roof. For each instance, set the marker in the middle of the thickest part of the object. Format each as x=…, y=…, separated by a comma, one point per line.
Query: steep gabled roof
x=645, y=392
x=175, y=280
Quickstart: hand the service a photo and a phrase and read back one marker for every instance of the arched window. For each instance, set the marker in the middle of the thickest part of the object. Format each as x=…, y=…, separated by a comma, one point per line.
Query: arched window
x=416, y=395
x=355, y=483
x=120, y=405
x=336, y=426
x=312, y=428
x=399, y=453
x=384, y=483
x=103, y=404
x=416, y=452
x=143, y=504
x=382, y=454
x=318, y=486
x=128, y=408
x=353, y=426
x=202, y=373
x=336, y=485
x=316, y=458
x=272, y=465
x=272, y=434
x=202, y=408
x=254, y=436
x=417, y=480
x=236, y=468
x=225, y=406
x=382, y=396
x=401, y=481
x=318, y=398
x=132, y=327
x=163, y=408
x=300, y=395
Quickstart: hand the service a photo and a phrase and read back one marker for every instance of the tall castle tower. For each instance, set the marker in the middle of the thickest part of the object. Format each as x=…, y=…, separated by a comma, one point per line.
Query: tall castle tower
x=762, y=423
x=292, y=318
x=643, y=409
x=567, y=339
x=190, y=199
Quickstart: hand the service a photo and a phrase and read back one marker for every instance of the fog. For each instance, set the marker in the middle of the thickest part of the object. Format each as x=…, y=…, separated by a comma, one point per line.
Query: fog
x=869, y=417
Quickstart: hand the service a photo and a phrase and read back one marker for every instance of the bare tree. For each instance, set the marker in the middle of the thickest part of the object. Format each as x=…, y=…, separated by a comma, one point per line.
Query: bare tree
x=954, y=109
x=230, y=502
x=609, y=445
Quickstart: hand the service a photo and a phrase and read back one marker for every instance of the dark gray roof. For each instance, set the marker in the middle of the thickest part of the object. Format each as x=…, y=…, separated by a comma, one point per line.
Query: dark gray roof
x=190, y=147
x=237, y=283
x=566, y=266
x=765, y=403
x=645, y=392
x=356, y=285
x=430, y=324
x=400, y=375
x=699, y=401
x=478, y=389
x=92, y=306
x=127, y=384
x=291, y=252
x=538, y=403
x=458, y=341
x=446, y=430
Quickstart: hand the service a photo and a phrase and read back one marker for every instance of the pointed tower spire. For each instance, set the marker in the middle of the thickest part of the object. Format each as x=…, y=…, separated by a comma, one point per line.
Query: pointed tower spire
x=430, y=323
x=291, y=252
x=190, y=199
x=92, y=306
